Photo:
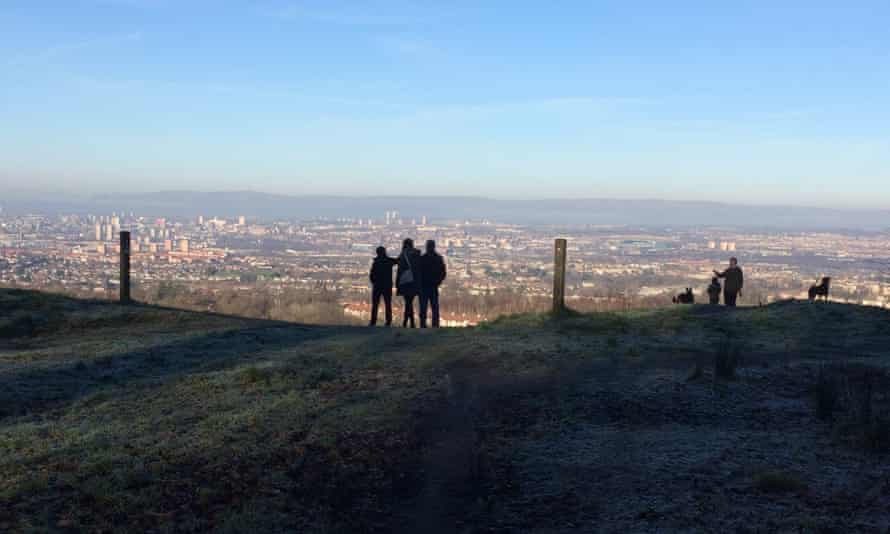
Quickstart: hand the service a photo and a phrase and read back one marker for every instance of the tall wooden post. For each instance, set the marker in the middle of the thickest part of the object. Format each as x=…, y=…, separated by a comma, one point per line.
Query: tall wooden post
x=125, y=268
x=559, y=275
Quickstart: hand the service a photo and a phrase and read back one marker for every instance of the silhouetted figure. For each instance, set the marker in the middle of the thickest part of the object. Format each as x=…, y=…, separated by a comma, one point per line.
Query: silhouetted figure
x=714, y=291
x=686, y=297
x=408, y=279
x=820, y=290
x=381, y=285
x=432, y=274
x=732, y=288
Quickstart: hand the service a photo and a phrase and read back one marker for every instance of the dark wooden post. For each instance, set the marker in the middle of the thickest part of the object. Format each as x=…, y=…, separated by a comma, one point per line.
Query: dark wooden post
x=125, y=268
x=559, y=275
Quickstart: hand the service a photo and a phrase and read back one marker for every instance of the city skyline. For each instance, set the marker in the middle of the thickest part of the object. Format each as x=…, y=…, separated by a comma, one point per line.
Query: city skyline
x=753, y=103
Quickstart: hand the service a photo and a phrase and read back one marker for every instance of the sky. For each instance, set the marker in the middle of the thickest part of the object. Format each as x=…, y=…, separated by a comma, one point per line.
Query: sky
x=745, y=101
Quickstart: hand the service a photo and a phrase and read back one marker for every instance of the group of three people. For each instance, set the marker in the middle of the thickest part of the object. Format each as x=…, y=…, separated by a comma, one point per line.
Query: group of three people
x=418, y=275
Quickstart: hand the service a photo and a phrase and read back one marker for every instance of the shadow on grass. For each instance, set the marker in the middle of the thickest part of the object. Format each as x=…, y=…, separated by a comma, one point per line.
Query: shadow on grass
x=28, y=390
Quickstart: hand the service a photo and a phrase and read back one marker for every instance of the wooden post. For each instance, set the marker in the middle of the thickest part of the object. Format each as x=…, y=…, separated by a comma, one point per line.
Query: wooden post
x=125, y=268
x=559, y=276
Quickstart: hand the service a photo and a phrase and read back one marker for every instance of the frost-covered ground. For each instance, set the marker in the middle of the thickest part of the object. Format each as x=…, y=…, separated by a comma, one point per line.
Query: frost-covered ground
x=145, y=419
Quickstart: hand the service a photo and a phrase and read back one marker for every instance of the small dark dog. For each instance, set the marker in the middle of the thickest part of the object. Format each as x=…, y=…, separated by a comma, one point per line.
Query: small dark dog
x=684, y=298
x=820, y=290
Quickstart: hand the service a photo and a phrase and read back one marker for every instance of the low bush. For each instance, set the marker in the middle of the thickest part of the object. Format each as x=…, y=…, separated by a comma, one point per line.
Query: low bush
x=778, y=482
x=727, y=359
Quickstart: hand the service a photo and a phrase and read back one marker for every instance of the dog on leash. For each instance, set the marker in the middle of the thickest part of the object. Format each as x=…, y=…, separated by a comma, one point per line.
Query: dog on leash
x=820, y=289
x=684, y=298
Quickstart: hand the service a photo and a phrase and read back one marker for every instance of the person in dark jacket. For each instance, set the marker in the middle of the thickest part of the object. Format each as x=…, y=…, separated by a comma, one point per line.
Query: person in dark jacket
x=432, y=274
x=714, y=291
x=732, y=288
x=408, y=279
x=381, y=285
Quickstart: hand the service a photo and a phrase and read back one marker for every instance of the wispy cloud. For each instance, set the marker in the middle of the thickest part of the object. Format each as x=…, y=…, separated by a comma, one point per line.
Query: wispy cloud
x=370, y=16
x=60, y=50
x=408, y=46
x=253, y=91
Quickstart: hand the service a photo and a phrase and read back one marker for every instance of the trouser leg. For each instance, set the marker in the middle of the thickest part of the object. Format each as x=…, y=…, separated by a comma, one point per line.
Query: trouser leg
x=387, y=302
x=424, y=305
x=375, y=302
x=434, y=303
x=729, y=298
x=409, y=311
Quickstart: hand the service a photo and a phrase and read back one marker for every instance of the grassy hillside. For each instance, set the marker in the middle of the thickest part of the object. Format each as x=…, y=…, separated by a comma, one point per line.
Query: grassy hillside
x=147, y=419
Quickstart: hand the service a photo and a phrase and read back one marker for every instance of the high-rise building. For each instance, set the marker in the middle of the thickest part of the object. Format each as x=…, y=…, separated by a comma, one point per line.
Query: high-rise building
x=242, y=220
x=712, y=245
x=98, y=232
x=168, y=245
x=730, y=246
x=423, y=220
x=200, y=220
x=109, y=232
x=184, y=245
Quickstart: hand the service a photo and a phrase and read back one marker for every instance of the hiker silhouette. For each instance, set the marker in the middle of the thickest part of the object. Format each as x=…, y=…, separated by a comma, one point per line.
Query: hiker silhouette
x=714, y=291
x=732, y=289
x=432, y=274
x=381, y=285
x=408, y=279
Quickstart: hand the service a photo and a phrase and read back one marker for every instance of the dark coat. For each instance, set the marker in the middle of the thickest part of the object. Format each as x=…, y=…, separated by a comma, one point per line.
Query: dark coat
x=381, y=272
x=432, y=270
x=734, y=279
x=409, y=290
x=714, y=292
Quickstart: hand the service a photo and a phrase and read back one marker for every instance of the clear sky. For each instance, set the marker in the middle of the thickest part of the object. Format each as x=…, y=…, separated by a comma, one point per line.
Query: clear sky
x=754, y=101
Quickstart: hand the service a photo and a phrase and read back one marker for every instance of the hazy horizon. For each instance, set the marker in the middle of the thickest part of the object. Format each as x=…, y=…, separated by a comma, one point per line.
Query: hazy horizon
x=754, y=104
x=70, y=194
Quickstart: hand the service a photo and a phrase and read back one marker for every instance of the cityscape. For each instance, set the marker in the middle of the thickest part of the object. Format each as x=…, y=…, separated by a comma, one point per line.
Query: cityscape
x=316, y=270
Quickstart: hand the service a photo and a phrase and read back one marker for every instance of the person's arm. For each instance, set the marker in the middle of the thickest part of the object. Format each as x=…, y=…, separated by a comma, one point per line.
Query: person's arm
x=444, y=271
x=719, y=274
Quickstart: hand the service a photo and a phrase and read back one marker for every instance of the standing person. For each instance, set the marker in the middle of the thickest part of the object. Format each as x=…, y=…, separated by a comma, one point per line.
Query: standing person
x=432, y=274
x=714, y=291
x=408, y=279
x=732, y=288
x=381, y=285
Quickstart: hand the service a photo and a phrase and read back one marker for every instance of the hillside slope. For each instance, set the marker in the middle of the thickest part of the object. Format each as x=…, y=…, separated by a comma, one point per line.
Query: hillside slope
x=146, y=419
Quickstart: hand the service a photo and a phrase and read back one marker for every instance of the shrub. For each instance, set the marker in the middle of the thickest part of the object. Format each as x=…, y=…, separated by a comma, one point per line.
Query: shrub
x=778, y=482
x=253, y=374
x=726, y=360
x=876, y=436
x=826, y=393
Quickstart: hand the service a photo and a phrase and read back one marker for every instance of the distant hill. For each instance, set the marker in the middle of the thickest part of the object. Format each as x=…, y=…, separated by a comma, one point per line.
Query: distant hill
x=552, y=212
x=688, y=419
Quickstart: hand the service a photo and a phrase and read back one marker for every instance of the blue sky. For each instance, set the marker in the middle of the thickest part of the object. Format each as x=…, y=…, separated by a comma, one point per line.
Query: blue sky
x=757, y=102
